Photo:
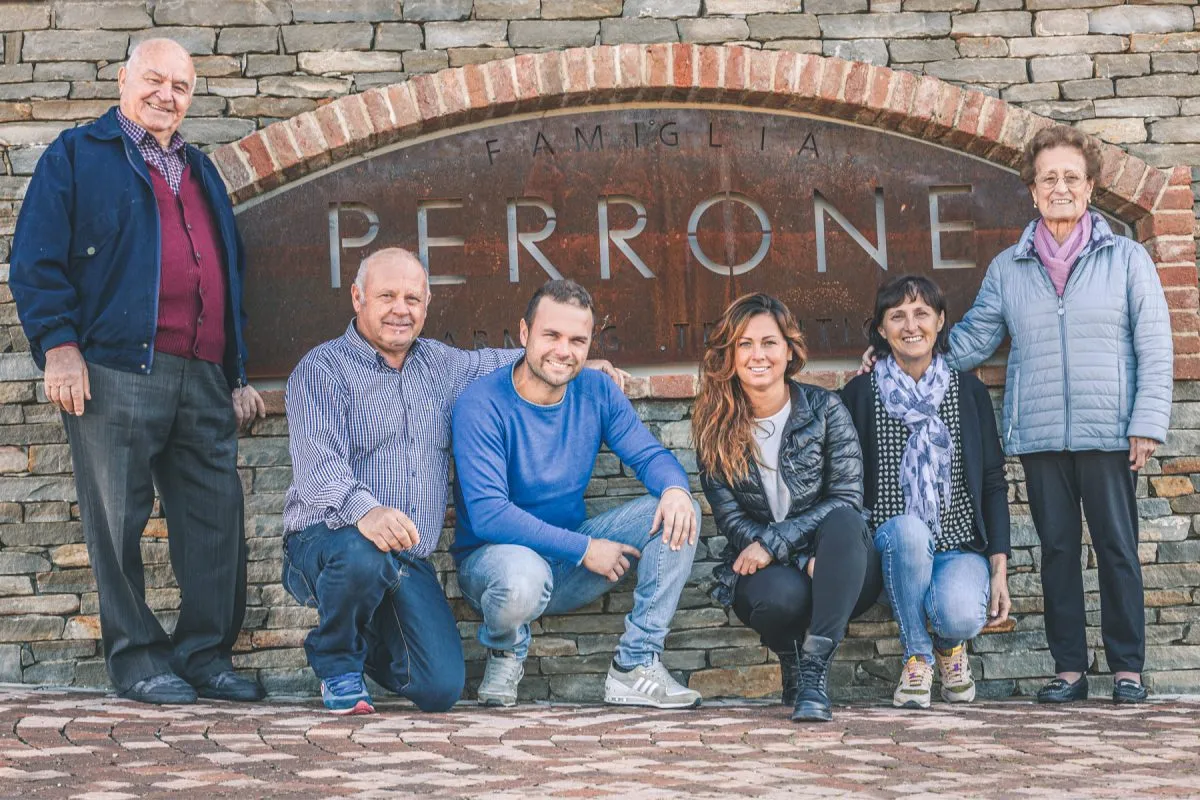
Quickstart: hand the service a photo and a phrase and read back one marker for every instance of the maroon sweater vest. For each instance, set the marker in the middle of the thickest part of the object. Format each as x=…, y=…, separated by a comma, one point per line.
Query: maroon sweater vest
x=191, y=295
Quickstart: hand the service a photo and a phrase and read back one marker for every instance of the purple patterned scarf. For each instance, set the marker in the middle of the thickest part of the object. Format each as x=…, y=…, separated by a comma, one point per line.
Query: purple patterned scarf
x=1059, y=259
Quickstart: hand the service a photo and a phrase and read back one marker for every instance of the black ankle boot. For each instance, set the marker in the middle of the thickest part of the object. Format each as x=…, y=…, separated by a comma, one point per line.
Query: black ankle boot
x=812, y=700
x=789, y=672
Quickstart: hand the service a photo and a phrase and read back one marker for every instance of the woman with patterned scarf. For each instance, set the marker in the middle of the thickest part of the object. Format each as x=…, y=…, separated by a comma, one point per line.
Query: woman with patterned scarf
x=935, y=489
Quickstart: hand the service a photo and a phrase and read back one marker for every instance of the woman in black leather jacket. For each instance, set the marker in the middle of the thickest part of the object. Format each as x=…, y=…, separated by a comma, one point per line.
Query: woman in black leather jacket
x=781, y=467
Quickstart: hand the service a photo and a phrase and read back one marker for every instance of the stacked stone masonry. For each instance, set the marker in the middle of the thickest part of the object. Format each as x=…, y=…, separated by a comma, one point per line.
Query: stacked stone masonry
x=1127, y=73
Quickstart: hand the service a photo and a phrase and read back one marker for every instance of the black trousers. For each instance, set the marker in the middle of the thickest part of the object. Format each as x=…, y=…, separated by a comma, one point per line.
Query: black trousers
x=782, y=603
x=174, y=429
x=1102, y=482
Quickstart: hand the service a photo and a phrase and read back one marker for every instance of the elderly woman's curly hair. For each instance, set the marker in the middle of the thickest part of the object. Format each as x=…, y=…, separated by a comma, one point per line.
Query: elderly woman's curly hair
x=1060, y=136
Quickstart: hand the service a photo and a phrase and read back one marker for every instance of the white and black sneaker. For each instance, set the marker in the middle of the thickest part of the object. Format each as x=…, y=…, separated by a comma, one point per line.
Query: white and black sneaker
x=647, y=686
x=500, y=679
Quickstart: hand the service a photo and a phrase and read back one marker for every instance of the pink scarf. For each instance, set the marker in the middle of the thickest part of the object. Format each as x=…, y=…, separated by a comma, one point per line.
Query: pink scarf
x=1059, y=259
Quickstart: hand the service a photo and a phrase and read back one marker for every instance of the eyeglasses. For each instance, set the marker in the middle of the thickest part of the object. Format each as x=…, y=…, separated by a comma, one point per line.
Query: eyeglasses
x=1050, y=182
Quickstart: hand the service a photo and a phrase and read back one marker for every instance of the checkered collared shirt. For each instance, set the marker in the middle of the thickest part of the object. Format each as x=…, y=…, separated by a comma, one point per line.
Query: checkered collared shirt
x=170, y=163
x=363, y=434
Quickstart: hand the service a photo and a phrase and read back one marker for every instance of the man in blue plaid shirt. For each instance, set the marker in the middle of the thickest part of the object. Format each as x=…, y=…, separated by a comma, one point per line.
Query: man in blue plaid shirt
x=369, y=421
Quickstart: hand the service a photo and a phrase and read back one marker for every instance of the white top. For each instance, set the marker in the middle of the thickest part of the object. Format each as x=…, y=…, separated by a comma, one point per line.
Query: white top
x=768, y=434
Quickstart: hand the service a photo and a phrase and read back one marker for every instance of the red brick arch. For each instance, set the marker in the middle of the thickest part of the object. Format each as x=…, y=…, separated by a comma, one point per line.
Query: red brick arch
x=1157, y=203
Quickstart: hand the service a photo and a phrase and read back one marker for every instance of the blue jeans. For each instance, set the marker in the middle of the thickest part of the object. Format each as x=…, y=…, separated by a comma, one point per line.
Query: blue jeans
x=949, y=589
x=511, y=585
x=380, y=613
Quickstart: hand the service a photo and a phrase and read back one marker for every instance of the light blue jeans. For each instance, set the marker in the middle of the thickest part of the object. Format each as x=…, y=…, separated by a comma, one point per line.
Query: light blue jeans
x=511, y=585
x=949, y=590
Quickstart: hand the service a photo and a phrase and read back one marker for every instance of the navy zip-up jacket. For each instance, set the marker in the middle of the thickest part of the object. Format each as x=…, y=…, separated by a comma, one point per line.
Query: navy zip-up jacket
x=86, y=254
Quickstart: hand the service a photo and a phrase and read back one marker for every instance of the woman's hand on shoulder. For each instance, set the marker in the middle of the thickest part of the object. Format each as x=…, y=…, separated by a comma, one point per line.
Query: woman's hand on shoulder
x=752, y=559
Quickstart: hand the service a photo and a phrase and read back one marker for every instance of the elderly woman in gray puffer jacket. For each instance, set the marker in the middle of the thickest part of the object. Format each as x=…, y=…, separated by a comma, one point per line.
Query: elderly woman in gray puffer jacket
x=1087, y=399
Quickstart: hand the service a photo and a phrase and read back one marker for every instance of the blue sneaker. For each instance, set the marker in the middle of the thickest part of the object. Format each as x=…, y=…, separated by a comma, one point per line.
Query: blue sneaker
x=346, y=694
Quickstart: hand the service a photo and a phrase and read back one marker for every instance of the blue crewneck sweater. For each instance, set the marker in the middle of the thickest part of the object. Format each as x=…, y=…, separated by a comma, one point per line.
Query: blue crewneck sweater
x=522, y=468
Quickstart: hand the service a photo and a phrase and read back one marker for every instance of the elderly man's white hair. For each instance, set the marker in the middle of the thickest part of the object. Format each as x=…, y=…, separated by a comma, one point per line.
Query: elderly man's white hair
x=146, y=45
x=386, y=254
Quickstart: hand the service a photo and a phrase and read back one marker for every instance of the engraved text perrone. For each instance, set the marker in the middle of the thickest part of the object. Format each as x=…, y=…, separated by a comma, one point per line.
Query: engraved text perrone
x=665, y=214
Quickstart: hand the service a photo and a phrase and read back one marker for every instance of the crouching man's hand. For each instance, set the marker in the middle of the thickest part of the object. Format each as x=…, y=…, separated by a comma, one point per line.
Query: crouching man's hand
x=608, y=558
x=389, y=529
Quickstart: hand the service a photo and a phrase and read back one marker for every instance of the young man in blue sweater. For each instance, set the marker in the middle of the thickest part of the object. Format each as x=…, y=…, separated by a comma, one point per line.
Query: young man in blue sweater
x=525, y=441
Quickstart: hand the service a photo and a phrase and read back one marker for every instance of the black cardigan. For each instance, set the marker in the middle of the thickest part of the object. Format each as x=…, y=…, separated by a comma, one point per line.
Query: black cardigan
x=983, y=458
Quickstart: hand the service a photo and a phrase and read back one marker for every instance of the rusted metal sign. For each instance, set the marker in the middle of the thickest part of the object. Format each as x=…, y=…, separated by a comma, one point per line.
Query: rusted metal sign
x=665, y=214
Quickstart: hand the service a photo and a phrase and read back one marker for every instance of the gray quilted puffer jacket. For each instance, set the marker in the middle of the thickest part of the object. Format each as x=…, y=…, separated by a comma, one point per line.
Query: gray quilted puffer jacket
x=1085, y=371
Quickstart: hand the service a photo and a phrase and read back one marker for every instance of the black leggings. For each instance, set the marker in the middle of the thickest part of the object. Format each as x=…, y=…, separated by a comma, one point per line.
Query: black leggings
x=782, y=603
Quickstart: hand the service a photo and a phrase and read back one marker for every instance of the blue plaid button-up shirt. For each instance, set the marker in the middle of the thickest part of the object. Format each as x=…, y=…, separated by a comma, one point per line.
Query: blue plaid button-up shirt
x=169, y=162
x=363, y=434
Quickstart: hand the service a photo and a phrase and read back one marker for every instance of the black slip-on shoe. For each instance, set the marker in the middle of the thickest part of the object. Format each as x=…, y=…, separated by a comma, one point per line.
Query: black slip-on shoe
x=166, y=688
x=1128, y=690
x=1059, y=691
x=228, y=685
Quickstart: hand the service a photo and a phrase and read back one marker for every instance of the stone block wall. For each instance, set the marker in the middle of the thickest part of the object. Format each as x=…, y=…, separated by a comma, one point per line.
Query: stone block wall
x=1127, y=73
x=49, y=628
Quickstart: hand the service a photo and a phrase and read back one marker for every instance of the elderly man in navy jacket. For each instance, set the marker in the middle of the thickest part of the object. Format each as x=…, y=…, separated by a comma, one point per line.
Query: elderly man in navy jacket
x=127, y=273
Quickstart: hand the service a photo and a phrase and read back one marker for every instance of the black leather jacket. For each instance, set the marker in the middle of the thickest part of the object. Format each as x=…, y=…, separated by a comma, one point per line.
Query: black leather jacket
x=822, y=466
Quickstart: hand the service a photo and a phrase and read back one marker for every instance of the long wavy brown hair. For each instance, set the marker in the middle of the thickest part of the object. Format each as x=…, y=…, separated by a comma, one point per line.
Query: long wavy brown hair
x=723, y=420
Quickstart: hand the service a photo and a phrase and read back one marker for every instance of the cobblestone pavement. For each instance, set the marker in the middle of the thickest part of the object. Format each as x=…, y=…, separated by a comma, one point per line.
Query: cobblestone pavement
x=86, y=745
